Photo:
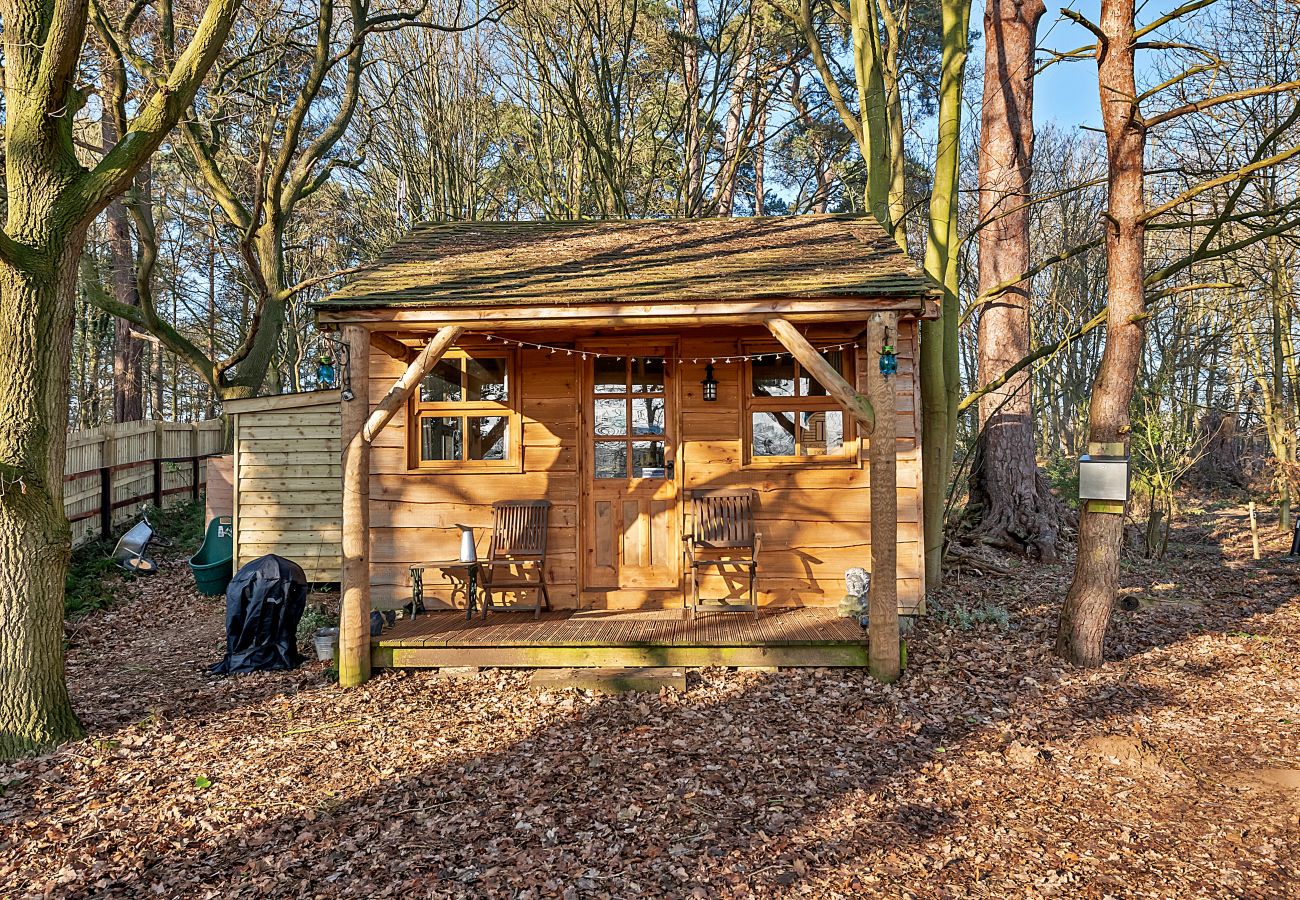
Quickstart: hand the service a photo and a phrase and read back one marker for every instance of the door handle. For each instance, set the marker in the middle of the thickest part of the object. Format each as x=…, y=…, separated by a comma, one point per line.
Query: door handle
x=669, y=466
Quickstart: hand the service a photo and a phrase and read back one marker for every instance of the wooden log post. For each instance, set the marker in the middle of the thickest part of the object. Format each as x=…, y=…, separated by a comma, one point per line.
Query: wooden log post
x=194, y=463
x=159, y=450
x=884, y=651
x=107, y=459
x=354, y=614
x=359, y=427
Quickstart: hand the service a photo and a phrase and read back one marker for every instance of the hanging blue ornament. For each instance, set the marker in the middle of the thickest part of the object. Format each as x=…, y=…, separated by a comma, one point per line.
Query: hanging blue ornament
x=325, y=373
x=888, y=361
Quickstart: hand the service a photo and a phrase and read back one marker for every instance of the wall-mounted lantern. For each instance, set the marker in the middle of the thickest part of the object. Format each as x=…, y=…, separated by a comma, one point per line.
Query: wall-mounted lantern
x=710, y=384
x=1103, y=478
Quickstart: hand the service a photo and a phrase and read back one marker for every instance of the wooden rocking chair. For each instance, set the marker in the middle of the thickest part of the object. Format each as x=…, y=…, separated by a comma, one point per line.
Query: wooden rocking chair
x=722, y=525
x=517, y=555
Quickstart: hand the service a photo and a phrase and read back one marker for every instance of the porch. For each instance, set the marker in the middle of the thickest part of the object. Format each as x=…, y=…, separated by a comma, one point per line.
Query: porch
x=788, y=637
x=615, y=371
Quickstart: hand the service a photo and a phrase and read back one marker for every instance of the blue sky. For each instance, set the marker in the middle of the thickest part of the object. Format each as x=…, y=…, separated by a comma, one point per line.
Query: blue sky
x=1066, y=93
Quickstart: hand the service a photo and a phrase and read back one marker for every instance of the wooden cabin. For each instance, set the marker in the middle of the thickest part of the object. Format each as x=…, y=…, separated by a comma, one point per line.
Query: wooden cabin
x=574, y=362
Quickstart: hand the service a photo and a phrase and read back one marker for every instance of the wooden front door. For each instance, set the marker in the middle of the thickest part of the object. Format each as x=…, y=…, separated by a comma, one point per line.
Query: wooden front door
x=629, y=473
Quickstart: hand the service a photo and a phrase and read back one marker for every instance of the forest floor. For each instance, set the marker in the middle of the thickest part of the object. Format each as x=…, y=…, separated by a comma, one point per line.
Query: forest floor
x=989, y=770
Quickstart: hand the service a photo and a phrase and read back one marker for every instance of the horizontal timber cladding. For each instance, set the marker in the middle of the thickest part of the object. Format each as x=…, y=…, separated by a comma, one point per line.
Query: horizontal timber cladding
x=814, y=515
x=288, y=487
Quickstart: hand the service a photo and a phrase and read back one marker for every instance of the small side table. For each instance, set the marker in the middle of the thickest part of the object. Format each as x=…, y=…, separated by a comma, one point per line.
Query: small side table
x=458, y=573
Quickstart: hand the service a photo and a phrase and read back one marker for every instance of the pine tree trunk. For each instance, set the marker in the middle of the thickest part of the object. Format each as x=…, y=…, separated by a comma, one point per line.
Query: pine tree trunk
x=1086, y=611
x=36, y=312
x=1009, y=499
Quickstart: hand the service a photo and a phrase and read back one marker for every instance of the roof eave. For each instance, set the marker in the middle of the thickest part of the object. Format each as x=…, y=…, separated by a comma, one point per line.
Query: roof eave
x=681, y=313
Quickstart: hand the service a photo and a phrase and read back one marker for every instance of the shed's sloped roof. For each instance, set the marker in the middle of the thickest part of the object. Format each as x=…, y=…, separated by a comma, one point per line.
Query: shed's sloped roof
x=629, y=261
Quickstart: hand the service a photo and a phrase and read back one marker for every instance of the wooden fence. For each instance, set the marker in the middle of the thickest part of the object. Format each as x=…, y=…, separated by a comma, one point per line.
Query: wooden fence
x=112, y=472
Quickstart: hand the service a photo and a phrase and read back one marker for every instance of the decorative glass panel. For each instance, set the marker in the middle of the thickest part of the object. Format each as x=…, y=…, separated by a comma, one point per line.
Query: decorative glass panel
x=648, y=415
x=442, y=385
x=610, y=375
x=773, y=376
x=440, y=438
x=611, y=417
x=611, y=459
x=811, y=387
x=821, y=432
x=489, y=436
x=648, y=375
x=485, y=379
x=773, y=433
x=648, y=459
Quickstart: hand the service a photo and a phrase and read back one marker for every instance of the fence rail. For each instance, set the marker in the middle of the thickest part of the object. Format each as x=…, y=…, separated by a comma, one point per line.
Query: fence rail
x=113, y=471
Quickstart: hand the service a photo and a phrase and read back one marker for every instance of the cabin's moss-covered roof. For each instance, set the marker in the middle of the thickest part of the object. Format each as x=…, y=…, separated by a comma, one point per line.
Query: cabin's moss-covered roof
x=650, y=261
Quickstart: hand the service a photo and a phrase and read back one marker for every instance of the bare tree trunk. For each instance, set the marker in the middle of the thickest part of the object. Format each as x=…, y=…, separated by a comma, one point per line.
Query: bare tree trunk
x=1086, y=611
x=725, y=193
x=760, y=143
x=128, y=352
x=694, y=197
x=1009, y=499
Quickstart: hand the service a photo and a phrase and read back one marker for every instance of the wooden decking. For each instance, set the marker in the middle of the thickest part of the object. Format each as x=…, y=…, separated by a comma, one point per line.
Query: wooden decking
x=779, y=637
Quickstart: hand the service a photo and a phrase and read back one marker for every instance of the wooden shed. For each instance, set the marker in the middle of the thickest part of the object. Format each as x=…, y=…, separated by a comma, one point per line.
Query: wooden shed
x=288, y=489
x=568, y=362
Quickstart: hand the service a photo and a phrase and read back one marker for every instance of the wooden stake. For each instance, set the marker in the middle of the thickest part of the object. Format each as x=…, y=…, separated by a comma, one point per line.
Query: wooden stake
x=1254, y=531
x=354, y=615
x=884, y=653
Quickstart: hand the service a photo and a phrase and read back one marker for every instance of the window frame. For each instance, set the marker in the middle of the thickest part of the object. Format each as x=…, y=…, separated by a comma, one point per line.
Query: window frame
x=849, y=454
x=418, y=410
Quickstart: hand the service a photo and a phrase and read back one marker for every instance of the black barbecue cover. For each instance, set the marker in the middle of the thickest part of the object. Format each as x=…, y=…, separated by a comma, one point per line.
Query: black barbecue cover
x=264, y=602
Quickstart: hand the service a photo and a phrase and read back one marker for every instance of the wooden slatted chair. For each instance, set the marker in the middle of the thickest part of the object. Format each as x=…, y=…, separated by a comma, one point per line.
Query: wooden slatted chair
x=517, y=555
x=722, y=536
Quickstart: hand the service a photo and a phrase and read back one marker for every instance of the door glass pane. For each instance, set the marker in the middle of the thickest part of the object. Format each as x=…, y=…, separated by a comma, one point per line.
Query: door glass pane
x=440, y=438
x=485, y=379
x=821, y=432
x=773, y=433
x=610, y=375
x=611, y=417
x=647, y=415
x=611, y=459
x=442, y=385
x=488, y=436
x=648, y=459
x=811, y=387
x=773, y=376
x=648, y=375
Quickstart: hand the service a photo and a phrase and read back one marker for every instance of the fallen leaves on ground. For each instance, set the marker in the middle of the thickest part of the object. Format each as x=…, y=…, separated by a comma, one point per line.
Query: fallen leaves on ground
x=990, y=770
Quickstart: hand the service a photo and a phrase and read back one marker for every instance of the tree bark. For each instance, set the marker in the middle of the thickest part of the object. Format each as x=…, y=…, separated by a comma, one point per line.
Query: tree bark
x=725, y=193
x=694, y=196
x=939, y=357
x=128, y=352
x=1086, y=611
x=36, y=313
x=1009, y=499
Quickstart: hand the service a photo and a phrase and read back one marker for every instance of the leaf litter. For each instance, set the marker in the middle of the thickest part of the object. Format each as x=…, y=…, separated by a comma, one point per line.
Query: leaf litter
x=989, y=770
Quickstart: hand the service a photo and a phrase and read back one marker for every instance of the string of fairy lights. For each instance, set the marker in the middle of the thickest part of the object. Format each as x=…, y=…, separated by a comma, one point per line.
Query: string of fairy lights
x=772, y=355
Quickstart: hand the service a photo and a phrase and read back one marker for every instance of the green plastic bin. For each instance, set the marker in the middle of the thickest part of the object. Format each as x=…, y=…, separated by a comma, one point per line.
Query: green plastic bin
x=213, y=565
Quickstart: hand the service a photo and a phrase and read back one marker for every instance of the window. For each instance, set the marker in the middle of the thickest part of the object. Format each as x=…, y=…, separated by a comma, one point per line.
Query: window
x=464, y=414
x=790, y=415
x=628, y=418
